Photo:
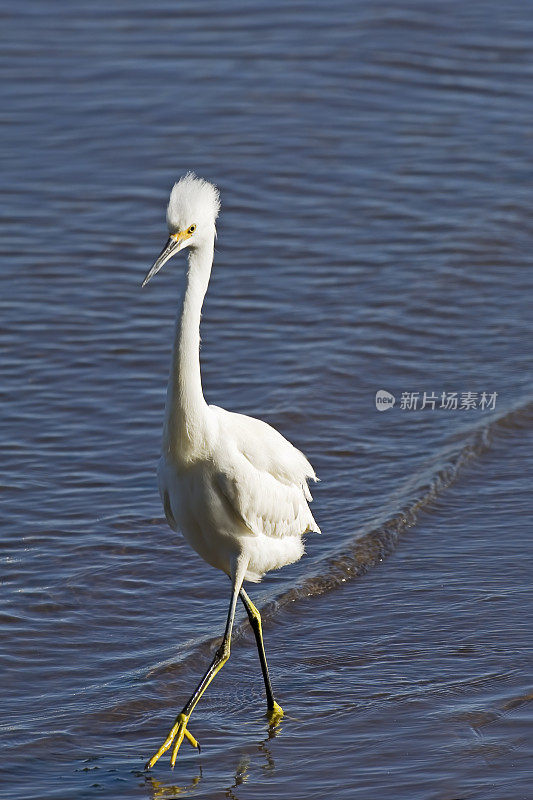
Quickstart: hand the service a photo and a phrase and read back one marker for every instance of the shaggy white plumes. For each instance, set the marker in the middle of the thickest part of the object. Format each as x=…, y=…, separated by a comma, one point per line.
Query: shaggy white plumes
x=193, y=201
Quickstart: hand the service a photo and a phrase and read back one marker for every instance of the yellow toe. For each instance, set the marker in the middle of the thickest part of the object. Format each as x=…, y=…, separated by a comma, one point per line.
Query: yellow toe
x=176, y=735
x=275, y=714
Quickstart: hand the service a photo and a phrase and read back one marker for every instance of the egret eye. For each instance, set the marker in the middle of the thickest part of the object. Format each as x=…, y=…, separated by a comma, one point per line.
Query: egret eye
x=191, y=229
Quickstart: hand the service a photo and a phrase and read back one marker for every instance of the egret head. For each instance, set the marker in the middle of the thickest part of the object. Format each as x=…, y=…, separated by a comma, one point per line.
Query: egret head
x=191, y=214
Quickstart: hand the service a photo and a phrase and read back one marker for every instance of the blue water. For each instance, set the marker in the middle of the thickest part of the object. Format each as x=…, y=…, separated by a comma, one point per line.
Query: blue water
x=374, y=162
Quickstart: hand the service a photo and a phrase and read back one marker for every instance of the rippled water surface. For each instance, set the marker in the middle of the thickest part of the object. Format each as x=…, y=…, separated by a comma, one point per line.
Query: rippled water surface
x=375, y=164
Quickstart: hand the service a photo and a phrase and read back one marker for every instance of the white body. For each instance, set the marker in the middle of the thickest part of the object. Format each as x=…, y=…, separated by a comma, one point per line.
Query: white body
x=243, y=493
x=234, y=486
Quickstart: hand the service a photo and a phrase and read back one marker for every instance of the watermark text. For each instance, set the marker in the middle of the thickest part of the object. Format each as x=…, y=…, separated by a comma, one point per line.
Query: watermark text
x=433, y=401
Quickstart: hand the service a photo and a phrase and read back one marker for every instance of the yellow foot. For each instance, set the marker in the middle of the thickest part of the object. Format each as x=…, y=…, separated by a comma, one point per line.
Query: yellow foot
x=177, y=733
x=275, y=715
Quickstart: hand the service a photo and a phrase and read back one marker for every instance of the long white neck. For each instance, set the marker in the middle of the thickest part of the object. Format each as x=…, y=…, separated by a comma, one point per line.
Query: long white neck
x=185, y=411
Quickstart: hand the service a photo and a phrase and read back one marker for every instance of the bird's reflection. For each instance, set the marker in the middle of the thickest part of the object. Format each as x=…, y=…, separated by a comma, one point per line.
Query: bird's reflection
x=269, y=764
x=165, y=791
x=241, y=774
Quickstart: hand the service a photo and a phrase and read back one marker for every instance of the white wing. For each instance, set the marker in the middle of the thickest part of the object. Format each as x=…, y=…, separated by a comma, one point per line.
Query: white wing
x=264, y=479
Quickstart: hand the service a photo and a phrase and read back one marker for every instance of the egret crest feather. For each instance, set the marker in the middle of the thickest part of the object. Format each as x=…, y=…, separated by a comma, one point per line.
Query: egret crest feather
x=193, y=201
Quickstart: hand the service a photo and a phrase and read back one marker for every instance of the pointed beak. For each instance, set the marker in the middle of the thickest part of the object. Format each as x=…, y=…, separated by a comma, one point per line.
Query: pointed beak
x=174, y=244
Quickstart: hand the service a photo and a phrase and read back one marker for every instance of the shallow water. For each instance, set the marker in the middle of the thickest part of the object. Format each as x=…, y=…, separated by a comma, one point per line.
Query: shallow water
x=375, y=168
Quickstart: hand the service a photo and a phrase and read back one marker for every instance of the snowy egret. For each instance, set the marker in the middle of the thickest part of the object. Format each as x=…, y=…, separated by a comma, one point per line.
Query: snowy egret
x=234, y=486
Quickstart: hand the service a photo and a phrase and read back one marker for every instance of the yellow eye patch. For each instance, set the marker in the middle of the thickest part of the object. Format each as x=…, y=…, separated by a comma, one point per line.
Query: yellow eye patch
x=181, y=235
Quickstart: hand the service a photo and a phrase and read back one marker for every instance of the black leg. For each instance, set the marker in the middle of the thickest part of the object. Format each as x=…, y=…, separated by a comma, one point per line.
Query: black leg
x=179, y=729
x=275, y=711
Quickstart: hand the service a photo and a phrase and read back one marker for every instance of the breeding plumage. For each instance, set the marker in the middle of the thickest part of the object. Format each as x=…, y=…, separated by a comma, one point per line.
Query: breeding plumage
x=233, y=485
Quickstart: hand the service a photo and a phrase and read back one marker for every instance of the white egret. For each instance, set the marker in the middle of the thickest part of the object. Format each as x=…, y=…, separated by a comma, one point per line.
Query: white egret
x=234, y=486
